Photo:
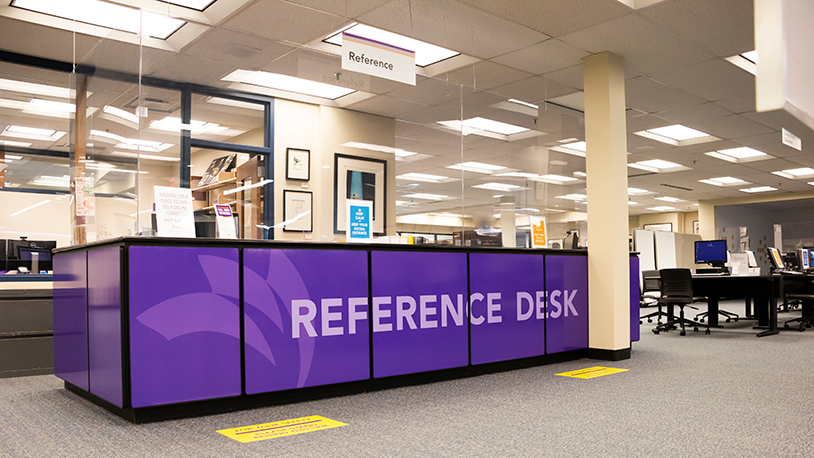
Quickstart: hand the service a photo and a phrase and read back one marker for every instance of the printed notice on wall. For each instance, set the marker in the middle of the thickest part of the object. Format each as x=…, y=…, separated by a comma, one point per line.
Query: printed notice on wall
x=173, y=211
x=359, y=220
x=538, y=234
x=375, y=58
x=226, y=222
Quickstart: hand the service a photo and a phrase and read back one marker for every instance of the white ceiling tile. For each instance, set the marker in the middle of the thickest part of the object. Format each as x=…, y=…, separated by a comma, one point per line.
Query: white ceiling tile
x=723, y=27
x=386, y=106
x=694, y=113
x=533, y=90
x=712, y=80
x=283, y=21
x=227, y=45
x=543, y=57
x=346, y=8
x=740, y=104
x=553, y=17
x=626, y=35
x=194, y=70
x=729, y=127
x=453, y=25
x=485, y=75
x=652, y=96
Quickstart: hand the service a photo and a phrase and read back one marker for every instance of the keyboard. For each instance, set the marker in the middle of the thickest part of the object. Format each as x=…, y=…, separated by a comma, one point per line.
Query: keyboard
x=710, y=274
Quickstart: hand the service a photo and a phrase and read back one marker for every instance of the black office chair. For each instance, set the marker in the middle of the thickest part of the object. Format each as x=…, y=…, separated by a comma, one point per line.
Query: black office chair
x=728, y=315
x=651, y=291
x=805, y=297
x=676, y=289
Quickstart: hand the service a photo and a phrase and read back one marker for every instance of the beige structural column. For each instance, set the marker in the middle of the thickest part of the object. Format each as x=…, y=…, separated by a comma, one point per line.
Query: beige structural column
x=706, y=220
x=606, y=166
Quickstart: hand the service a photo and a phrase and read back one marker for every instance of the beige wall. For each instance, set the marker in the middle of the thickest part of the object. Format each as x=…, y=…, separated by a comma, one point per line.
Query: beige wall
x=682, y=222
x=322, y=130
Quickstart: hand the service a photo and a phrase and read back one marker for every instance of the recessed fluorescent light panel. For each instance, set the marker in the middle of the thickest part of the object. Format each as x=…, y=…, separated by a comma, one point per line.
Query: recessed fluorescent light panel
x=669, y=199
x=498, y=187
x=420, y=195
x=520, y=102
x=636, y=191
x=743, y=154
x=146, y=156
x=199, y=5
x=576, y=197
x=747, y=61
x=119, y=113
x=477, y=167
x=423, y=177
x=759, y=189
x=34, y=88
x=32, y=133
x=381, y=148
x=724, y=181
x=676, y=135
x=573, y=148
x=478, y=125
x=104, y=14
x=425, y=53
x=656, y=165
x=288, y=84
x=803, y=172
x=662, y=209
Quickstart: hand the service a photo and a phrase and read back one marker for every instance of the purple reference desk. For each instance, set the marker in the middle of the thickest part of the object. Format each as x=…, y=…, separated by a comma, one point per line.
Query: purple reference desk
x=155, y=328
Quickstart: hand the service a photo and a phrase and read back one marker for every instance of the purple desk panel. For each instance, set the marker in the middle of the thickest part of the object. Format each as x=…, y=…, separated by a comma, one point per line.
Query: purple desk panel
x=184, y=324
x=507, y=306
x=306, y=321
x=104, y=324
x=71, y=318
x=567, y=293
x=634, y=298
x=419, y=312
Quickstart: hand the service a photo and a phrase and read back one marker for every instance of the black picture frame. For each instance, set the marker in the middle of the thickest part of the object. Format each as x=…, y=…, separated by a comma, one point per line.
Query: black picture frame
x=344, y=163
x=291, y=209
x=297, y=164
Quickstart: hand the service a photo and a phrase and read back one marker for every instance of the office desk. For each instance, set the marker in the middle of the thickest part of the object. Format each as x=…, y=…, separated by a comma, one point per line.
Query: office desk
x=763, y=290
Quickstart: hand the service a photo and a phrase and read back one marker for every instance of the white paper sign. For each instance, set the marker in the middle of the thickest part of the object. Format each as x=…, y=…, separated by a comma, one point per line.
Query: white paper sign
x=173, y=211
x=539, y=238
x=792, y=140
x=225, y=222
x=359, y=220
x=375, y=58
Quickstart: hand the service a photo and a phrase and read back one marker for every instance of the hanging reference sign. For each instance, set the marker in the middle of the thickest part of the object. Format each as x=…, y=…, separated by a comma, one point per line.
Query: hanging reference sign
x=372, y=57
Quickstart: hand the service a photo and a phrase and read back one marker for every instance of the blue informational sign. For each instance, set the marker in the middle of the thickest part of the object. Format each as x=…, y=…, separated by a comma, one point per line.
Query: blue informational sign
x=360, y=219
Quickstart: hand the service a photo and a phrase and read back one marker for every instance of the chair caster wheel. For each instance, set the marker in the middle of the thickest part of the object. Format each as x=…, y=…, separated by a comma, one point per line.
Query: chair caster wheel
x=640, y=322
x=682, y=333
x=785, y=326
x=649, y=320
x=702, y=320
x=656, y=331
x=802, y=328
x=695, y=329
x=727, y=320
x=707, y=331
x=736, y=320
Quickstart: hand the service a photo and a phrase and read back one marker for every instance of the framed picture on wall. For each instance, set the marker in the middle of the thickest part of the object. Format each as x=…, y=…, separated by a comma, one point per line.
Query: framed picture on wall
x=298, y=164
x=361, y=178
x=668, y=227
x=297, y=211
x=696, y=228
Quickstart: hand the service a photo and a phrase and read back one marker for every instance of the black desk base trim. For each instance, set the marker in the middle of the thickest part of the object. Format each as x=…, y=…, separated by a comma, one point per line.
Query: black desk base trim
x=243, y=402
x=609, y=355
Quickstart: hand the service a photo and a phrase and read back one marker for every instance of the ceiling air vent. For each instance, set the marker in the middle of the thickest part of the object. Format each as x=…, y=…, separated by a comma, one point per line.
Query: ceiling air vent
x=154, y=104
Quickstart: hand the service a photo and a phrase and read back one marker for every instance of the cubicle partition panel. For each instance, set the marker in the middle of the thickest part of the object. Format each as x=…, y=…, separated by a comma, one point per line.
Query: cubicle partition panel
x=155, y=328
x=418, y=311
x=508, y=306
x=184, y=323
x=305, y=318
x=567, y=290
x=105, y=324
x=71, y=318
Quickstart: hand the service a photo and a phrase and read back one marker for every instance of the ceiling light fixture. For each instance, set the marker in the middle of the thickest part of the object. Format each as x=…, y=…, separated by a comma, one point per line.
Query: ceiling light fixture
x=380, y=148
x=118, y=112
x=478, y=167
x=723, y=181
x=288, y=84
x=742, y=154
x=34, y=88
x=576, y=197
x=520, y=102
x=420, y=195
x=32, y=133
x=422, y=177
x=107, y=15
x=655, y=165
x=498, y=187
x=676, y=135
x=478, y=125
x=669, y=199
x=662, y=209
x=145, y=156
x=574, y=148
x=425, y=53
x=803, y=172
x=759, y=189
x=636, y=191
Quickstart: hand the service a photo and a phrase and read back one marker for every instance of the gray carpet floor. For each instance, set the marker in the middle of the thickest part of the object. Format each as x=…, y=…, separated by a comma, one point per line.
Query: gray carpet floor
x=725, y=394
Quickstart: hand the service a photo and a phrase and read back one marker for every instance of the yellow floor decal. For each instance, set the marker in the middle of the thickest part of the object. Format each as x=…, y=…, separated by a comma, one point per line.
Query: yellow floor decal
x=592, y=372
x=280, y=428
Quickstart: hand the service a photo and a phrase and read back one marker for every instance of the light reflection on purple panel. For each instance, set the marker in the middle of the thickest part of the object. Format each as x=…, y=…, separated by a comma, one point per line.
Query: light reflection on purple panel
x=567, y=291
x=634, y=298
x=515, y=325
x=439, y=340
x=323, y=293
x=104, y=324
x=71, y=318
x=184, y=324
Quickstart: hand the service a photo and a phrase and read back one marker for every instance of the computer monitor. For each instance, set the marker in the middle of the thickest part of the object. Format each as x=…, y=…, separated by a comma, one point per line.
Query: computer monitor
x=805, y=259
x=19, y=254
x=775, y=258
x=710, y=251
